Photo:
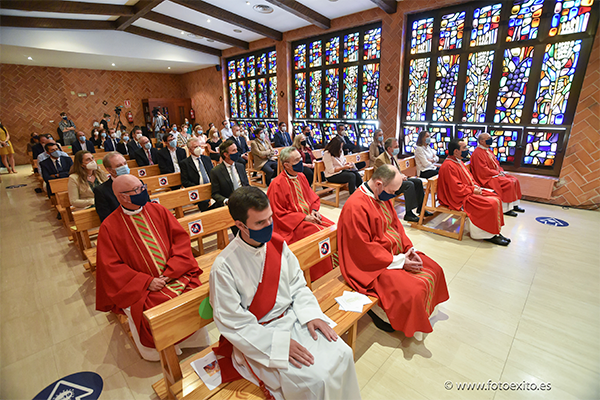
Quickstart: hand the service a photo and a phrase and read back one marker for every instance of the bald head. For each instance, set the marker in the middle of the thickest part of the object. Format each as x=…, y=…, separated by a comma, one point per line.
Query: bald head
x=125, y=186
x=387, y=177
x=482, y=138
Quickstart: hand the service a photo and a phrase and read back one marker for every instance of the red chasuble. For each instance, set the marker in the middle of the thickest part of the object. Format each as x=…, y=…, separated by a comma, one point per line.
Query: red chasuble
x=369, y=235
x=487, y=173
x=292, y=200
x=455, y=190
x=134, y=249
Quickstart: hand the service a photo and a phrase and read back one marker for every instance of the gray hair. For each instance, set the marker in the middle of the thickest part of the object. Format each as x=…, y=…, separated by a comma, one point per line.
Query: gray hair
x=191, y=142
x=376, y=132
x=389, y=143
x=107, y=160
x=285, y=154
x=386, y=173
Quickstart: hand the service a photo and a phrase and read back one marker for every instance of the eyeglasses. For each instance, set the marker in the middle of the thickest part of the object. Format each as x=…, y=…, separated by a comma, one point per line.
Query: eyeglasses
x=136, y=190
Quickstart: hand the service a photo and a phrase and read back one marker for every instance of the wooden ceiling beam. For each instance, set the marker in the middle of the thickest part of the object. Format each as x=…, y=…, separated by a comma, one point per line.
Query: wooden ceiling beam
x=226, y=16
x=54, y=23
x=389, y=6
x=141, y=8
x=301, y=11
x=196, y=30
x=172, y=40
x=68, y=7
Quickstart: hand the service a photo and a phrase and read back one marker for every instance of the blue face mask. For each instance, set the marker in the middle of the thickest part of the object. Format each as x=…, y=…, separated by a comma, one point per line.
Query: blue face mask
x=396, y=151
x=174, y=129
x=385, y=196
x=489, y=141
x=380, y=138
x=55, y=154
x=428, y=140
x=82, y=139
x=464, y=154
x=103, y=135
x=298, y=167
x=234, y=156
x=262, y=235
x=122, y=170
x=140, y=199
x=148, y=146
x=173, y=143
x=125, y=138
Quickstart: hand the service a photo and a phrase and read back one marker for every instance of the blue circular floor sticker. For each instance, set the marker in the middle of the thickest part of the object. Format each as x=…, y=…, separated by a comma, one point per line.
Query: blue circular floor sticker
x=552, y=221
x=79, y=386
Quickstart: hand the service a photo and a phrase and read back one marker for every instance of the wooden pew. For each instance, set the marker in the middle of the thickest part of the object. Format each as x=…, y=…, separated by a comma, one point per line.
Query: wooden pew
x=199, y=225
x=59, y=185
x=147, y=171
x=177, y=199
x=162, y=182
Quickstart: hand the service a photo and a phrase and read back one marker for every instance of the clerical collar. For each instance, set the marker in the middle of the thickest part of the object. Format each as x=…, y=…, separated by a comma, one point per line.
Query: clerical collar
x=132, y=212
x=483, y=147
x=367, y=190
x=251, y=248
x=456, y=160
x=290, y=176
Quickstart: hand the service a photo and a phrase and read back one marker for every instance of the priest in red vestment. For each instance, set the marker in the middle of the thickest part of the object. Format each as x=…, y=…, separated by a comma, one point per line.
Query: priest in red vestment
x=296, y=206
x=378, y=259
x=457, y=190
x=144, y=259
x=489, y=174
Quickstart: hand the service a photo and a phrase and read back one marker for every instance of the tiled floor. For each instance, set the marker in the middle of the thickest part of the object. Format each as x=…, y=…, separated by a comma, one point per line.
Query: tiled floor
x=526, y=313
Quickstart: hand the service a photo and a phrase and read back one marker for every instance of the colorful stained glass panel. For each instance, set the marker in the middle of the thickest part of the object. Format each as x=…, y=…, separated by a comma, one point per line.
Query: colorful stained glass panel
x=558, y=70
x=231, y=70
x=516, y=67
x=440, y=137
x=541, y=147
x=251, y=66
x=316, y=54
x=444, y=97
x=411, y=134
x=418, y=80
x=332, y=51
x=315, y=94
x=486, y=22
x=242, y=104
x=261, y=64
x=351, y=47
x=332, y=93
x=477, y=86
x=233, y=104
x=300, y=95
x=350, y=86
x=422, y=36
x=273, y=97
x=329, y=130
x=370, y=91
x=300, y=56
x=451, y=31
x=241, y=68
x=273, y=62
x=524, y=20
x=470, y=136
x=263, y=103
x=252, y=98
x=372, y=44
x=504, y=145
x=571, y=16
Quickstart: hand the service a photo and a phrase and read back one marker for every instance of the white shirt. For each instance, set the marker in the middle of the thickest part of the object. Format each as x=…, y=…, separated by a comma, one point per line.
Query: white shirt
x=83, y=145
x=226, y=133
x=174, y=158
x=422, y=156
x=233, y=174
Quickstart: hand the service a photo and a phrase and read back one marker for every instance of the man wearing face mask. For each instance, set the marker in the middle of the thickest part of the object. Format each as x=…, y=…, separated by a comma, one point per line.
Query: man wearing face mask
x=134, y=142
x=378, y=259
x=104, y=198
x=458, y=190
x=110, y=143
x=489, y=174
x=264, y=155
x=240, y=144
x=282, y=137
x=229, y=175
x=195, y=170
x=412, y=188
x=267, y=316
x=55, y=165
x=82, y=144
x=68, y=129
x=226, y=132
x=146, y=155
x=144, y=259
x=296, y=206
x=122, y=145
x=170, y=155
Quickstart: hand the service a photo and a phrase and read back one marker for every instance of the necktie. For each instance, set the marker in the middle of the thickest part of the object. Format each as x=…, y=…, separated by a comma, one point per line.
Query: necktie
x=232, y=173
x=150, y=158
x=57, y=163
x=202, y=171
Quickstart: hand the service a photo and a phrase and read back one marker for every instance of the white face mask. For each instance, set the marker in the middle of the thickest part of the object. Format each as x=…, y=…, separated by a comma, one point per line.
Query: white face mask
x=198, y=151
x=113, y=135
x=138, y=136
x=96, y=124
x=91, y=166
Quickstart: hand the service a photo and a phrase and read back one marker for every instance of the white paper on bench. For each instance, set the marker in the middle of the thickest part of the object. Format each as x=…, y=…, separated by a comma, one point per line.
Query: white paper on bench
x=352, y=301
x=208, y=370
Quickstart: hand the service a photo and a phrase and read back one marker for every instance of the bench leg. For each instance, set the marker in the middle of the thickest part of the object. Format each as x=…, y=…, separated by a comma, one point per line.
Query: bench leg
x=171, y=369
x=462, y=226
x=222, y=239
x=352, y=333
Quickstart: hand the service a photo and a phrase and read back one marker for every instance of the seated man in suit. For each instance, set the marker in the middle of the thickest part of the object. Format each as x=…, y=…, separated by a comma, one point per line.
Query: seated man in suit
x=55, y=166
x=411, y=187
x=104, y=198
x=44, y=139
x=146, y=155
x=134, y=143
x=282, y=137
x=195, y=170
x=110, y=144
x=228, y=175
x=170, y=156
x=310, y=141
x=82, y=144
x=240, y=144
x=264, y=155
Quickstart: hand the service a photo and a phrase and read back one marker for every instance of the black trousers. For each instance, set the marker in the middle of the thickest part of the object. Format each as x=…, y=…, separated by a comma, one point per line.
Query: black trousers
x=412, y=189
x=270, y=169
x=429, y=173
x=309, y=174
x=352, y=178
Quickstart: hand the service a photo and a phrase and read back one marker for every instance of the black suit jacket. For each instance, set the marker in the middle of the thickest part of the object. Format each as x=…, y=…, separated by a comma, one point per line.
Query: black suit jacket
x=105, y=200
x=76, y=146
x=189, y=172
x=122, y=148
x=36, y=150
x=165, y=163
x=241, y=144
x=48, y=169
x=349, y=147
x=132, y=146
x=142, y=159
x=282, y=139
x=221, y=184
x=109, y=145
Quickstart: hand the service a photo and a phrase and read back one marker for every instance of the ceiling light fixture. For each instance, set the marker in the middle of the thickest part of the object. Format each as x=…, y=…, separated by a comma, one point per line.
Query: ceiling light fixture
x=237, y=30
x=208, y=20
x=247, y=3
x=263, y=9
x=182, y=32
x=113, y=64
x=168, y=67
x=209, y=40
x=29, y=58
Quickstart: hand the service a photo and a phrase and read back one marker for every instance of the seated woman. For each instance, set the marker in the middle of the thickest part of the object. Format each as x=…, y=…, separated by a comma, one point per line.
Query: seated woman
x=183, y=137
x=337, y=168
x=308, y=159
x=95, y=137
x=425, y=157
x=122, y=145
x=84, y=177
x=214, y=143
x=376, y=147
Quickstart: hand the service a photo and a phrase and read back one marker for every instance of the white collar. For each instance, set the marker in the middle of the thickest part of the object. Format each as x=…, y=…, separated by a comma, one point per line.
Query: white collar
x=255, y=251
x=229, y=165
x=483, y=147
x=454, y=159
x=129, y=212
x=290, y=176
x=363, y=188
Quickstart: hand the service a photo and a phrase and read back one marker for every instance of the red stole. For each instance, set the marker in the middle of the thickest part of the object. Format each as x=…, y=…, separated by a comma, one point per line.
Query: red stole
x=263, y=302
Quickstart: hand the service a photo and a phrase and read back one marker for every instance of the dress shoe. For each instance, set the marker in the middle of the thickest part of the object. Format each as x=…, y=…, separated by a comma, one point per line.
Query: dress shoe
x=511, y=213
x=379, y=323
x=411, y=218
x=518, y=209
x=499, y=240
x=504, y=237
x=428, y=214
x=58, y=216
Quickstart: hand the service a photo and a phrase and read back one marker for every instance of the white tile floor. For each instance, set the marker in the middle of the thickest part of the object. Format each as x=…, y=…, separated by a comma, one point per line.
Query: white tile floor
x=528, y=312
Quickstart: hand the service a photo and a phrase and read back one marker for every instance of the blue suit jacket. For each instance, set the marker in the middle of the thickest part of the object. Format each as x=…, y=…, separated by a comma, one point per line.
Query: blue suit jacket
x=48, y=169
x=282, y=139
x=109, y=145
x=76, y=146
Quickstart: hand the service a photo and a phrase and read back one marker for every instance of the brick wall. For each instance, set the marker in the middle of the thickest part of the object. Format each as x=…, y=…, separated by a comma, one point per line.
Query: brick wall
x=33, y=96
x=205, y=88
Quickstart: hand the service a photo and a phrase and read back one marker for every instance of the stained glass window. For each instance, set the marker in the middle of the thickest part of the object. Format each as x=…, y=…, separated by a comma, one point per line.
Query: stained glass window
x=315, y=94
x=251, y=66
x=451, y=31
x=243, y=106
x=300, y=95
x=504, y=144
x=571, y=16
x=541, y=148
x=252, y=98
x=273, y=96
x=469, y=135
x=241, y=68
x=444, y=98
x=372, y=44
x=477, y=86
x=272, y=62
x=315, y=54
x=418, y=79
x=233, y=99
x=513, y=84
x=329, y=130
x=558, y=70
x=440, y=137
x=486, y=21
x=331, y=93
x=332, y=51
x=421, y=36
x=263, y=104
x=524, y=20
x=411, y=134
x=351, y=47
x=261, y=64
x=370, y=91
x=350, y=99
x=300, y=56
x=365, y=131
x=231, y=70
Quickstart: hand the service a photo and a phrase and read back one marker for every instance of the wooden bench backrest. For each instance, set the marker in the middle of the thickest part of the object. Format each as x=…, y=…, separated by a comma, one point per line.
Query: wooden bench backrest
x=318, y=154
x=183, y=197
x=147, y=171
x=209, y=222
x=319, y=167
x=162, y=181
x=132, y=163
x=308, y=250
x=358, y=157
x=86, y=219
x=62, y=199
x=59, y=185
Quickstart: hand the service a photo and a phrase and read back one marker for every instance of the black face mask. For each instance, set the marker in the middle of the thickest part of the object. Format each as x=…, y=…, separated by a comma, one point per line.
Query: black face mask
x=303, y=143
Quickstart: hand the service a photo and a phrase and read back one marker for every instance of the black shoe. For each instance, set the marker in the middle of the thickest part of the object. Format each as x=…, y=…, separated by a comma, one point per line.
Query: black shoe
x=499, y=240
x=504, y=237
x=411, y=218
x=38, y=190
x=379, y=323
x=428, y=214
x=58, y=217
x=518, y=209
x=511, y=213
